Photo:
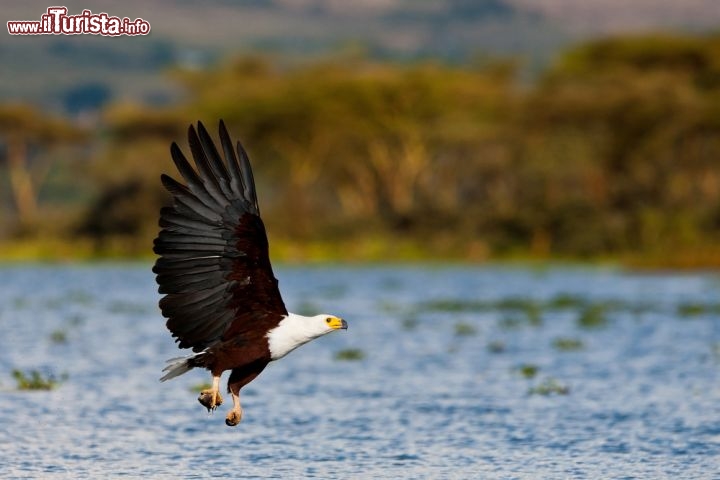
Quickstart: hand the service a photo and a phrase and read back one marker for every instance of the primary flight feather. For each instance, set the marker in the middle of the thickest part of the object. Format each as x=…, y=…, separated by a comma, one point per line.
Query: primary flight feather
x=221, y=296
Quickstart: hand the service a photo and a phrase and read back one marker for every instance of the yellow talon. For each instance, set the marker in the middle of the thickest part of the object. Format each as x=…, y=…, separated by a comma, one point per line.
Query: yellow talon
x=210, y=399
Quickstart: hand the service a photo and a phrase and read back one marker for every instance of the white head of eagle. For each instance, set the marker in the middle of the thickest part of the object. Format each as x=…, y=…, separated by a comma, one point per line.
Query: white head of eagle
x=296, y=330
x=221, y=297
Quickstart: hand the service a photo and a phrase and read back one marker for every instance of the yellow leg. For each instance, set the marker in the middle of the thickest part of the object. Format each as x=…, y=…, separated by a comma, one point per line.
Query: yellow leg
x=235, y=415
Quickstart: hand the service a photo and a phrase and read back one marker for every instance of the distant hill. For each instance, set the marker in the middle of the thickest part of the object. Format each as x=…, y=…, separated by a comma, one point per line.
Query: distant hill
x=68, y=73
x=593, y=17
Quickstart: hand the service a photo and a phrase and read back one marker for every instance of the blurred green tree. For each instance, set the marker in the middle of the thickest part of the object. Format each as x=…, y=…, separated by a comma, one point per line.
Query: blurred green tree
x=635, y=123
x=24, y=131
x=613, y=151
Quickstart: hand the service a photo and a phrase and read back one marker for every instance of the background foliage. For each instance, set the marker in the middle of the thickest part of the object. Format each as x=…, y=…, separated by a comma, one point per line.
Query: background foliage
x=611, y=152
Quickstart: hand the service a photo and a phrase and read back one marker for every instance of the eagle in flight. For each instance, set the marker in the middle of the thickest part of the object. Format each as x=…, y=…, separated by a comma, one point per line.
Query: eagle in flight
x=221, y=296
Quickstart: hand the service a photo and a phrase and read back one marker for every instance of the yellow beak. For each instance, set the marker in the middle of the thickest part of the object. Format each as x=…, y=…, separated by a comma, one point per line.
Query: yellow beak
x=337, y=323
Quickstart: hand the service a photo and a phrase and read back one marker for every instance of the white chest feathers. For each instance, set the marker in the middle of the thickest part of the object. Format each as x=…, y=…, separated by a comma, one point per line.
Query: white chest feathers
x=293, y=331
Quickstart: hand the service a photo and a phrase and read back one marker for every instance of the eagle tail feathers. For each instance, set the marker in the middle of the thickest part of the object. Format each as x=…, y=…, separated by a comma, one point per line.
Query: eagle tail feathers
x=178, y=365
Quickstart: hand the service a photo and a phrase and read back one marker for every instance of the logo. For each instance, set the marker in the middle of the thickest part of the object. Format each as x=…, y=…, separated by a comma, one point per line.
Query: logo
x=57, y=22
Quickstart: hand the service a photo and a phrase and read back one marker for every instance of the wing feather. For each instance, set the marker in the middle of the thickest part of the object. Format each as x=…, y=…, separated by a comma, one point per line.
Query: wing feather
x=213, y=267
x=236, y=181
x=209, y=181
x=248, y=180
x=170, y=237
x=216, y=164
x=186, y=266
x=194, y=182
x=190, y=283
x=170, y=217
x=195, y=210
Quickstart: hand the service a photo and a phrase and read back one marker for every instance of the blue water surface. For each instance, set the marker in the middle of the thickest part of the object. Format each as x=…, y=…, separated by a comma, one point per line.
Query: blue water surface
x=438, y=393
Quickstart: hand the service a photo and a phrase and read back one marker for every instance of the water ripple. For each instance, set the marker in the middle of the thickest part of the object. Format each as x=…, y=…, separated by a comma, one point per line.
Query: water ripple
x=428, y=398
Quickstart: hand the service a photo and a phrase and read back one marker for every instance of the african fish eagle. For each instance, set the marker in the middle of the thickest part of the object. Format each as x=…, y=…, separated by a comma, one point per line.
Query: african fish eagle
x=221, y=296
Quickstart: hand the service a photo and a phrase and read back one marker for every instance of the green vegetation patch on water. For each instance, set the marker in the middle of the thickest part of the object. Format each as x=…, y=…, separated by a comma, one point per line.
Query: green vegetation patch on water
x=565, y=301
x=199, y=387
x=593, y=316
x=549, y=386
x=520, y=311
x=695, y=309
x=450, y=305
x=409, y=323
x=496, y=346
x=464, y=330
x=58, y=336
x=566, y=344
x=592, y=313
x=35, y=380
x=350, y=354
x=528, y=370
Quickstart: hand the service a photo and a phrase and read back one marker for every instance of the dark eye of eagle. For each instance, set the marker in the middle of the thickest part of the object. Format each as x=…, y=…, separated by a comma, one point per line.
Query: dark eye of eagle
x=328, y=320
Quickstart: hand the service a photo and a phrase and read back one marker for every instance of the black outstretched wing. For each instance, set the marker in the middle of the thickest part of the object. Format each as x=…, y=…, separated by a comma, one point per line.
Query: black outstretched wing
x=214, y=265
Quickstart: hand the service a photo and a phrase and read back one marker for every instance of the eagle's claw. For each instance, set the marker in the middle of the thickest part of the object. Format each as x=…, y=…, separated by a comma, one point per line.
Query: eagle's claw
x=233, y=418
x=210, y=399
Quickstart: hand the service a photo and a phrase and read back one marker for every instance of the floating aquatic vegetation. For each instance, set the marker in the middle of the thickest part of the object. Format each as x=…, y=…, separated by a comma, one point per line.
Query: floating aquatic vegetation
x=530, y=307
x=510, y=322
x=549, y=386
x=528, y=370
x=520, y=310
x=34, y=380
x=496, y=346
x=566, y=344
x=531, y=317
x=75, y=320
x=410, y=323
x=534, y=315
x=563, y=301
x=593, y=316
x=455, y=305
x=350, y=354
x=516, y=303
x=58, y=336
x=694, y=309
x=464, y=330
x=199, y=387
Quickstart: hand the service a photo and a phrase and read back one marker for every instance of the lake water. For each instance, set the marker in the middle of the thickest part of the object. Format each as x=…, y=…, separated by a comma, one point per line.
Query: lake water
x=487, y=372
